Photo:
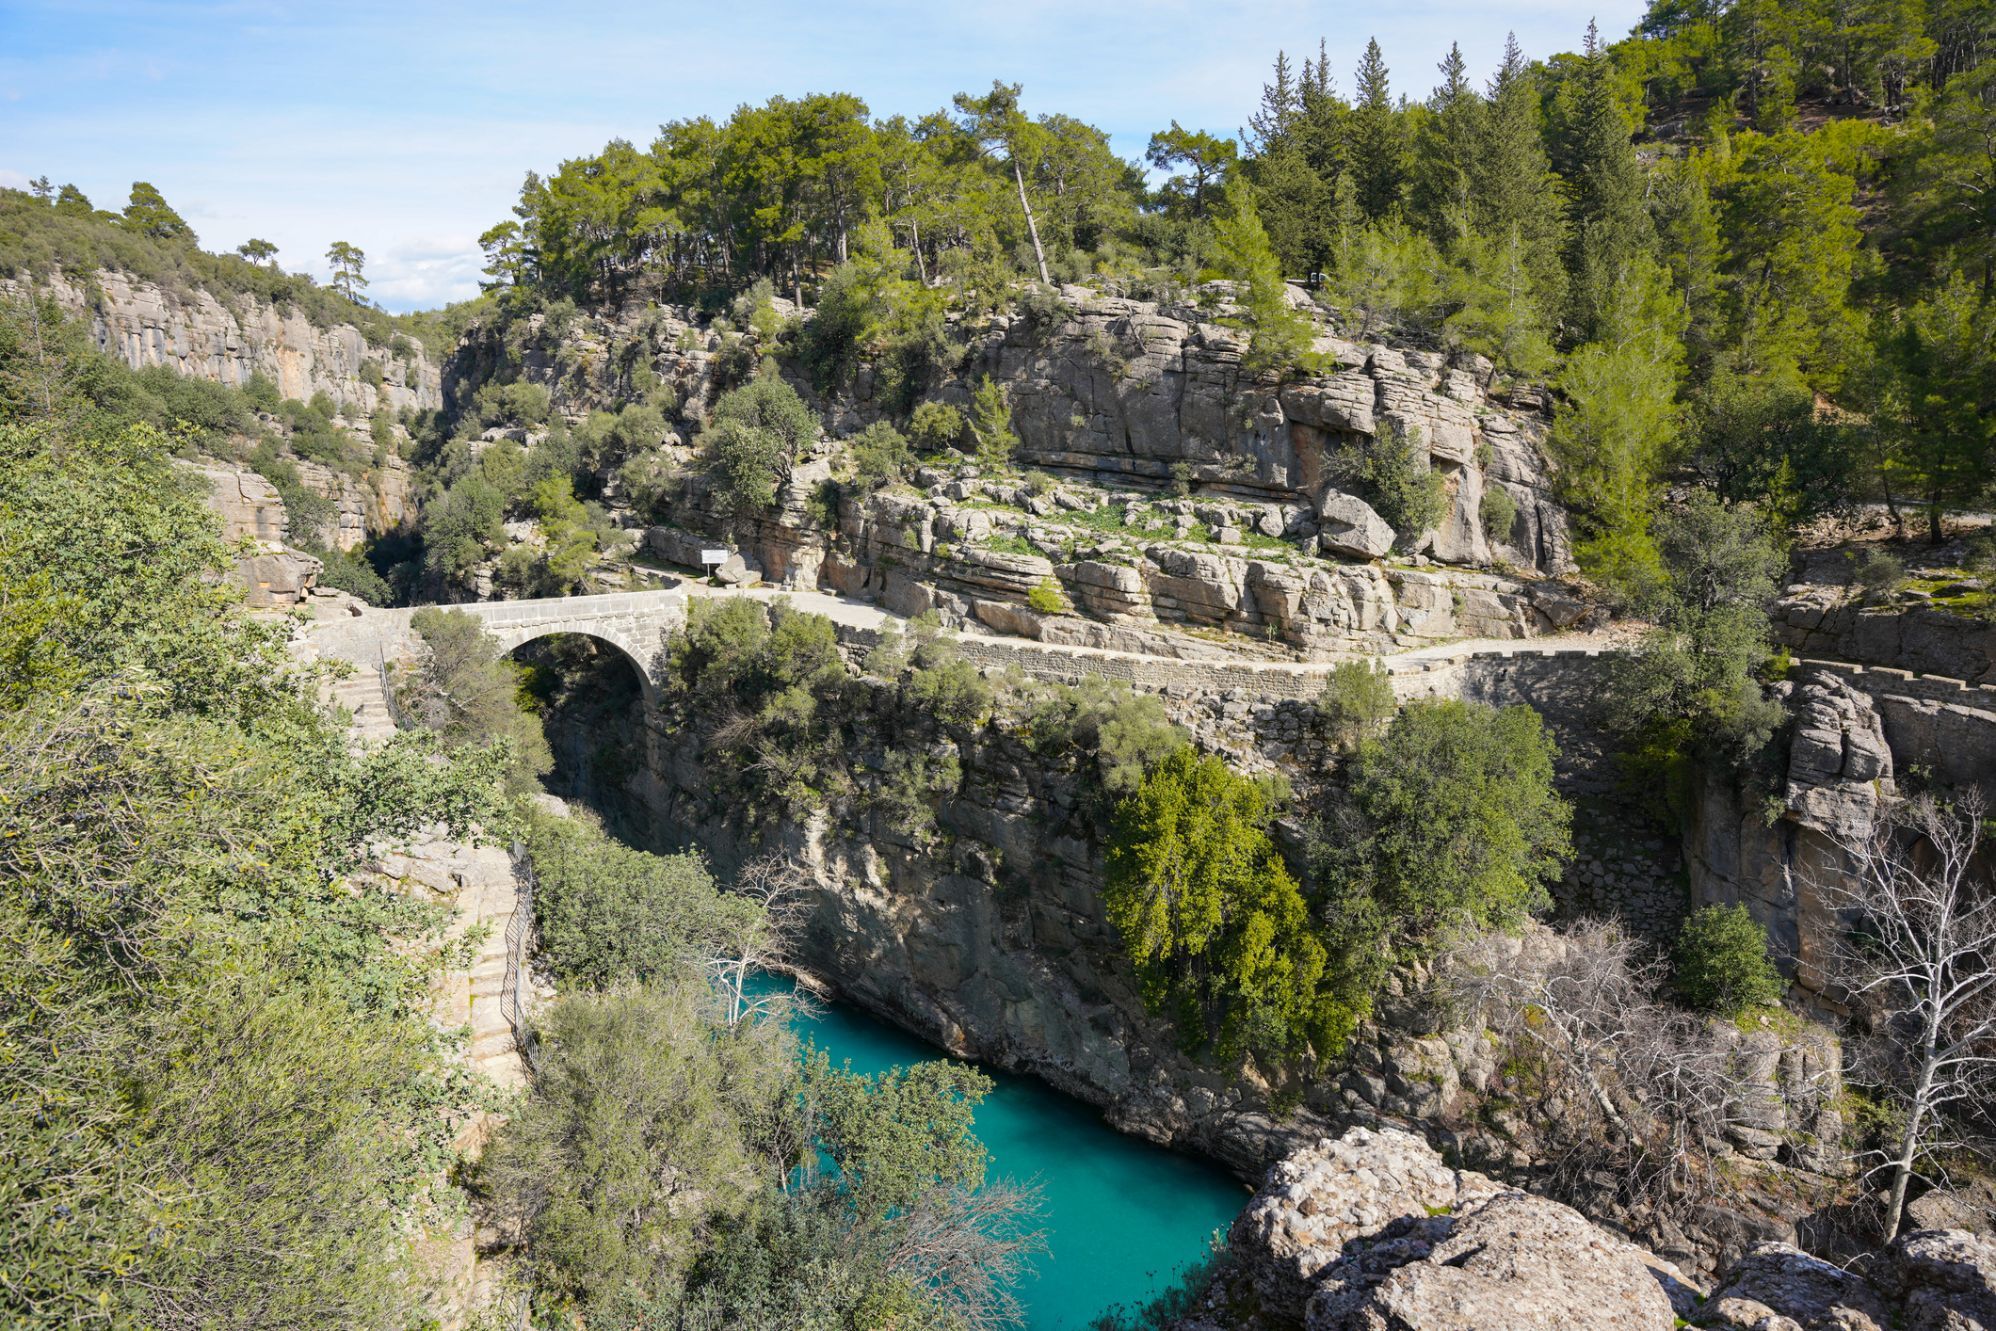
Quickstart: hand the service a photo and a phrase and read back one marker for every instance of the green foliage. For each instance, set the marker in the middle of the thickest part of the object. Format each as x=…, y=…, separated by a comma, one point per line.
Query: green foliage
x=1215, y=925
x=1391, y=473
x=1614, y=427
x=880, y=456
x=149, y=214
x=756, y=433
x=875, y=213
x=1046, y=598
x=648, y=1127
x=226, y=1105
x=1121, y=733
x=1722, y=964
x=936, y=426
x=894, y=1136
x=1689, y=689
x=1356, y=703
x=1498, y=513
x=609, y=914
x=1878, y=574
x=989, y=426
x=350, y=573
x=470, y=695
x=766, y=687
x=1449, y=820
x=1279, y=335
x=518, y=403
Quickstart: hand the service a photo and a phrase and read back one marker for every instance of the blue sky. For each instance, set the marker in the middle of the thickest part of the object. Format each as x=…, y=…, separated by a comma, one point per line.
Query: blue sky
x=406, y=127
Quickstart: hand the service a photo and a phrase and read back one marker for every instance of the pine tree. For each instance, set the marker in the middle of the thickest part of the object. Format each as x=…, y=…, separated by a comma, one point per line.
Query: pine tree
x=1441, y=189
x=1376, y=140
x=347, y=260
x=1605, y=185
x=1269, y=126
x=1278, y=336
x=1513, y=189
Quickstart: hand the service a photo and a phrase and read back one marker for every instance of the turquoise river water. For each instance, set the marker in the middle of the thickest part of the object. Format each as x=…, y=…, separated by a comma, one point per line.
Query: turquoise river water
x=1123, y=1218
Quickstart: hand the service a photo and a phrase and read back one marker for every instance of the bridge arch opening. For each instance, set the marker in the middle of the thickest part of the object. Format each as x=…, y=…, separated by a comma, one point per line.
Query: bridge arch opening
x=593, y=697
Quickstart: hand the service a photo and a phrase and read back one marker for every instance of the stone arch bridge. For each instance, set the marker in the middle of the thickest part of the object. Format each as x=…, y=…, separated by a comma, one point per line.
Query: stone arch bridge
x=636, y=624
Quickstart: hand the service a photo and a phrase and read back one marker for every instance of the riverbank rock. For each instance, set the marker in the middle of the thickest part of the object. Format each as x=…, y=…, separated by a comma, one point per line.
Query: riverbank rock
x=1516, y=1261
x=1374, y=1231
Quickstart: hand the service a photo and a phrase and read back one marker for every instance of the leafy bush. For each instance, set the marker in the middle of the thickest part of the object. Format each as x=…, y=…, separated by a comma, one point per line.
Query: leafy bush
x=1449, y=819
x=642, y=1097
x=216, y=1025
x=517, y=403
x=1878, y=574
x=1499, y=513
x=880, y=456
x=756, y=433
x=609, y=914
x=936, y=426
x=350, y=573
x=990, y=426
x=1215, y=925
x=469, y=694
x=1123, y=732
x=1356, y=703
x=1722, y=963
x=1046, y=598
x=1391, y=473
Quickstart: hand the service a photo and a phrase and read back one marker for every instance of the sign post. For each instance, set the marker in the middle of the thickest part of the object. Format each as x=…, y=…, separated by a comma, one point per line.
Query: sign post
x=712, y=559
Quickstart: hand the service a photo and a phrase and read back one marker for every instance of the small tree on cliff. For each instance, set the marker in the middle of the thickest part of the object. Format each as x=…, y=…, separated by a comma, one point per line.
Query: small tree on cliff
x=1921, y=903
x=1278, y=335
x=257, y=250
x=347, y=261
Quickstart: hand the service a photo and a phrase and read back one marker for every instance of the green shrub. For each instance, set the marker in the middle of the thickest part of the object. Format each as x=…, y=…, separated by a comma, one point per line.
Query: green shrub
x=467, y=692
x=1125, y=732
x=1391, y=473
x=1214, y=924
x=1878, y=573
x=512, y=404
x=880, y=456
x=350, y=573
x=756, y=433
x=1722, y=963
x=1046, y=598
x=936, y=426
x=991, y=426
x=1499, y=513
x=609, y=914
x=1356, y=703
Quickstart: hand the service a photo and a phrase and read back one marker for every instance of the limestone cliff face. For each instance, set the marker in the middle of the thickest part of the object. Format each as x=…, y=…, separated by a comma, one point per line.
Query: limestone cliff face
x=1853, y=728
x=227, y=338
x=1124, y=402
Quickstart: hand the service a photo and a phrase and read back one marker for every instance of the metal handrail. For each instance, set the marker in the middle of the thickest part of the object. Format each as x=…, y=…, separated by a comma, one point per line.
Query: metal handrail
x=519, y=929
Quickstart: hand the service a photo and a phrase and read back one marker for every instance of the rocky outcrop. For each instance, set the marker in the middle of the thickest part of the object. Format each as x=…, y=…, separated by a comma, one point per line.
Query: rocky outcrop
x=1929, y=1280
x=1126, y=401
x=229, y=337
x=1373, y=1231
x=1769, y=855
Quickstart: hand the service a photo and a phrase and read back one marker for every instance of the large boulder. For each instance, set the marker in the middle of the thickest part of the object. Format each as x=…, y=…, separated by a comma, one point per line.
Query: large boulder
x=1323, y=1197
x=1347, y=525
x=1374, y=1231
x=1945, y=1280
x=1518, y=1262
x=1778, y=1287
